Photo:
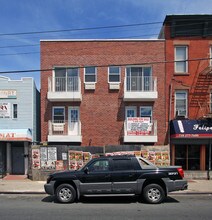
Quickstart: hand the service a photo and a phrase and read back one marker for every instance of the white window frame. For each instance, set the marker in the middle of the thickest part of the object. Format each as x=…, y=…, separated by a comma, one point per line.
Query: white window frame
x=175, y=58
x=186, y=92
x=149, y=106
x=95, y=73
x=113, y=74
x=55, y=107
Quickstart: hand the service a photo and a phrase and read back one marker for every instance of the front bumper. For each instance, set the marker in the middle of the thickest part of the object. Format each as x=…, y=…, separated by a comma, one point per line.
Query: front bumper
x=49, y=188
x=176, y=185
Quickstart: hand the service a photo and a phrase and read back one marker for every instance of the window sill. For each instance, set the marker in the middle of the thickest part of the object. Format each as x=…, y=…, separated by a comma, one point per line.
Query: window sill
x=181, y=74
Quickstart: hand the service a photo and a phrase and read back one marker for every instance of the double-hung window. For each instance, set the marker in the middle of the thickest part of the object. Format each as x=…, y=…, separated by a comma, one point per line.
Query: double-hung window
x=114, y=74
x=181, y=99
x=58, y=114
x=146, y=112
x=90, y=75
x=181, y=57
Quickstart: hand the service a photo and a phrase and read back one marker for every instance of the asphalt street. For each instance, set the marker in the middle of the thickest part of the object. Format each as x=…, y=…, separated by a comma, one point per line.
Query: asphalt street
x=45, y=207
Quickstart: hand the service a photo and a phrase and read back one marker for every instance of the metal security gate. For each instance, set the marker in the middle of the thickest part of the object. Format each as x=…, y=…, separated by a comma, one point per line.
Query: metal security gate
x=17, y=159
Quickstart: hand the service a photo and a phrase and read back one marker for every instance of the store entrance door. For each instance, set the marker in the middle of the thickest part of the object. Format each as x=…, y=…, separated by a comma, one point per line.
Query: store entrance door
x=17, y=159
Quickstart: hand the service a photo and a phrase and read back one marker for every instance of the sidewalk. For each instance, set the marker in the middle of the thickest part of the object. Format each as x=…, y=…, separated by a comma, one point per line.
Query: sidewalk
x=27, y=186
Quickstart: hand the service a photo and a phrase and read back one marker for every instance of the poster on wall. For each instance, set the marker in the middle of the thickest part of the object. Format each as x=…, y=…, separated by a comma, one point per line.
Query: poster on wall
x=48, y=157
x=5, y=110
x=137, y=126
x=75, y=159
x=35, y=158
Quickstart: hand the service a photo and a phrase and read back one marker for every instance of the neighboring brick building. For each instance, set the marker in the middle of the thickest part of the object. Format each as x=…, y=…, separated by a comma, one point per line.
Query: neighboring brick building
x=90, y=87
x=188, y=40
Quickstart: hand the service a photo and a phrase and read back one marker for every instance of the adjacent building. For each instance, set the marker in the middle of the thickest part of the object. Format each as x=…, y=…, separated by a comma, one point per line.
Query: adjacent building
x=188, y=42
x=19, y=123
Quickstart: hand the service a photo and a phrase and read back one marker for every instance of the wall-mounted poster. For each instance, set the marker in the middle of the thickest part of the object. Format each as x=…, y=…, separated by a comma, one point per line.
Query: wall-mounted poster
x=35, y=159
x=48, y=157
x=5, y=111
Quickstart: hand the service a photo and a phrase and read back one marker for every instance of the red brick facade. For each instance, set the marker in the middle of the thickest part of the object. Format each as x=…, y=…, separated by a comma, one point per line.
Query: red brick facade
x=102, y=111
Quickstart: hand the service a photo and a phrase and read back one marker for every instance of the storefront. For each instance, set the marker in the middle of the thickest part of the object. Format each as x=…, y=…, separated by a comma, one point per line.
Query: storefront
x=14, y=149
x=191, y=144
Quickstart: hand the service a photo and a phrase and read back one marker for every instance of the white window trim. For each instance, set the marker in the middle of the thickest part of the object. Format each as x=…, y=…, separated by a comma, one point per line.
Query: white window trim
x=185, y=46
x=95, y=75
x=147, y=106
x=114, y=75
x=186, y=92
x=54, y=107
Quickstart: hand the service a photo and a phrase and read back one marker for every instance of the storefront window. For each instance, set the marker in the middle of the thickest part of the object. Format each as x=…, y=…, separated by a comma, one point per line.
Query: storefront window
x=187, y=156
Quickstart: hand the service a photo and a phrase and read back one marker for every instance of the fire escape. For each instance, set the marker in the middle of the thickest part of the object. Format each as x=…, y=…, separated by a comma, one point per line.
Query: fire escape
x=201, y=90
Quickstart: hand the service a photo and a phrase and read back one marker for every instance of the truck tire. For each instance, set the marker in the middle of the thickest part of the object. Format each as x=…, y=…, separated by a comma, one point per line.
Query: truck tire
x=153, y=193
x=65, y=193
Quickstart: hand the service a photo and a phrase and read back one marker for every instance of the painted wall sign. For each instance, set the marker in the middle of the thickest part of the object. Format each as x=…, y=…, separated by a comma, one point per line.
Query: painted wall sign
x=15, y=135
x=8, y=94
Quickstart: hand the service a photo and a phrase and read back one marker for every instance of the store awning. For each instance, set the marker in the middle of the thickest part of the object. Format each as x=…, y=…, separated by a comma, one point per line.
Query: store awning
x=15, y=135
x=191, y=128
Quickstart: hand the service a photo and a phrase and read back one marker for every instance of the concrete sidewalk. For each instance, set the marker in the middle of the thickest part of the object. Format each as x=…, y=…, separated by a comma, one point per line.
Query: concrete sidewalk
x=27, y=186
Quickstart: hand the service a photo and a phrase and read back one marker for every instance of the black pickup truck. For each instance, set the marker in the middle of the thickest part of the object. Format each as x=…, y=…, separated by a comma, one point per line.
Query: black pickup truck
x=116, y=175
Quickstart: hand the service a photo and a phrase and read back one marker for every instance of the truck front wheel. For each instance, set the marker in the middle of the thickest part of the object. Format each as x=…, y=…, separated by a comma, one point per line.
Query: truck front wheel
x=65, y=193
x=153, y=193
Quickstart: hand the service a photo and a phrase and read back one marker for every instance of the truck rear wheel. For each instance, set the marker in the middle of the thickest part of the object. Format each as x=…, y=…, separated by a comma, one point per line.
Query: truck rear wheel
x=65, y=193
x=153, y=193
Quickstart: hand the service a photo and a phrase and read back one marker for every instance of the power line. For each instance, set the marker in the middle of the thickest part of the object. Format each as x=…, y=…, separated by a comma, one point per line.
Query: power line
x=125, y=64
x=79, y=29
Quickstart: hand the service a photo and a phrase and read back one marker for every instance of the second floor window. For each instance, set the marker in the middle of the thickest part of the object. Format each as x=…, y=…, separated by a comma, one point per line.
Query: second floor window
x=146, y=112
x=181, y=56
x=90, y=75
x=113, y=74
x=66, y=79
x=181, y=103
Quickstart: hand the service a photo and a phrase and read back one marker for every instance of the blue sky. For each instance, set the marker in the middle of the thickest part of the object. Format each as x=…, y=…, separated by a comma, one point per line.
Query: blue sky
x=21, y=52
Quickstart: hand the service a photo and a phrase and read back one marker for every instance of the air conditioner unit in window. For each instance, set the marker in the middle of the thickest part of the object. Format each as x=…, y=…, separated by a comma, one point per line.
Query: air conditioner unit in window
x=58, y=126
x=180, y=114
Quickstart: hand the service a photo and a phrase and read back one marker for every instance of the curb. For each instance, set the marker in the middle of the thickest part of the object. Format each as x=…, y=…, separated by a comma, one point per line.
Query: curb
x=22, y=192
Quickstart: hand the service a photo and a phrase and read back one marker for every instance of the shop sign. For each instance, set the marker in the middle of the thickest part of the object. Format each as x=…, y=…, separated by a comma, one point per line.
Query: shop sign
x=5, y=110
x=137, y=126
x=15, y=135
x=8, y=94
x=191, y=128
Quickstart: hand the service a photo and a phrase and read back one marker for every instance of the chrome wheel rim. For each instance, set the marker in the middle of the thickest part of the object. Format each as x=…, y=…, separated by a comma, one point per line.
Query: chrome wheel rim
x=65, y=194
x=154, y=194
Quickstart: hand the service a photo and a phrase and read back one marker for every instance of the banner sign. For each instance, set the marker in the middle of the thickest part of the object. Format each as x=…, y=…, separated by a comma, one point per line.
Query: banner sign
x=191, y=128
x=5, y=110
x=137, y=126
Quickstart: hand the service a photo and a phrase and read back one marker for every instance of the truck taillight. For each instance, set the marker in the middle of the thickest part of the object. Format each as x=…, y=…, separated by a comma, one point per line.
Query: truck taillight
x=181, y=172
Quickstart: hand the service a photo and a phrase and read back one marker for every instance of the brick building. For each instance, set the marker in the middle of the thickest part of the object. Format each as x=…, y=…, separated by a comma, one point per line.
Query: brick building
x=188, y=41
x=103, y=92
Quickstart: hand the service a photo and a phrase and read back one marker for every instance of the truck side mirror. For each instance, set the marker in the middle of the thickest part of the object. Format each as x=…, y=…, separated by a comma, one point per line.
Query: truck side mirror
x=86, y=170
